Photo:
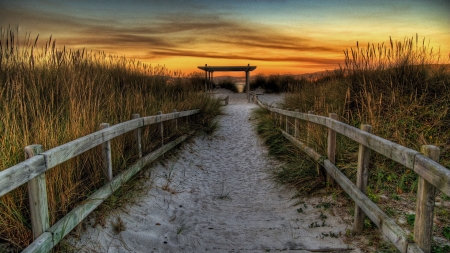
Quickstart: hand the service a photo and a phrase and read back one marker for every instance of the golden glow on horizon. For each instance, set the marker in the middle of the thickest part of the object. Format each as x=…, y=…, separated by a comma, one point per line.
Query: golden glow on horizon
x=282, y=37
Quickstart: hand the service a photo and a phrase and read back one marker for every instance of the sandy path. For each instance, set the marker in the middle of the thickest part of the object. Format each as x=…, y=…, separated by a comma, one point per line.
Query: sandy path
x=219, y=198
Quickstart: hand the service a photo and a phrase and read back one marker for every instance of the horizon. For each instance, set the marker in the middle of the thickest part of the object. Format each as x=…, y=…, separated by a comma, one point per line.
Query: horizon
x=282, y=37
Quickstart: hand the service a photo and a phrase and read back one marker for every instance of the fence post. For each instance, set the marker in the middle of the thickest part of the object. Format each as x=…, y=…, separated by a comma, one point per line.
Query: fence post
x=296, y=126
x=281, y=120
x=331, y=148
x=308, y=130
x=37, y=194
x=287, y=122
x=137, y=136
x=106, y=154
x=176, y=119
x=161, y=128
x=361, y=179
x=423, y=224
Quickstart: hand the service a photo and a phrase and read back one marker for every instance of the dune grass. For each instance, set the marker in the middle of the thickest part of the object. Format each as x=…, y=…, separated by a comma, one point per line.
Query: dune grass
x=53, y=95
x=401, y=90
x=228, y=84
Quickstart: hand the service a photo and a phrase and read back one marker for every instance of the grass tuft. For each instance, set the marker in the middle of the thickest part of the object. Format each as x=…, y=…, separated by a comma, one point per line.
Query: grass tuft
x=298, y=169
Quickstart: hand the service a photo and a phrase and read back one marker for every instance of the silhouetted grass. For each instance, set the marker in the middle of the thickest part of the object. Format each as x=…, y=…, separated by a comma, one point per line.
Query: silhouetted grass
x=229, y=85
x=278, y=83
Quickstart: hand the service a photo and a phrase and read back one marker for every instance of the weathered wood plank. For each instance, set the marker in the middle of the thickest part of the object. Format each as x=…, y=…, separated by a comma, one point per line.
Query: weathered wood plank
x=76, y=147
x=37, y=195
x=317, y=119
x=298, y=115
x=296, y=125
x=433, y=172
x=150, y=120
x=165, y=117
x=287, y=122
x=392, y=150
x=175, y=119
x=121, y=128
x=414, y=248
x=188, y=113
x=106, y=155
x=309, y=151
x=331, y=147
x=281, y=120
x=74, y=217
x=137, y=136
x=309, y=128
x=19, y=174
x=362, y=176
x=161, y=127
x=423, y=224
x=388, y=227
x=42, y=244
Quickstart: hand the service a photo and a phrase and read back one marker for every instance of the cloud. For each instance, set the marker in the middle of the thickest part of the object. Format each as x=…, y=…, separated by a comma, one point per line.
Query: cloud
x=188, y=53
x=181, y=33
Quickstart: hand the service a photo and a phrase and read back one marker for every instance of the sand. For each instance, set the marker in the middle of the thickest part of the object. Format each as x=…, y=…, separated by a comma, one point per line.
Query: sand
x=216, y=195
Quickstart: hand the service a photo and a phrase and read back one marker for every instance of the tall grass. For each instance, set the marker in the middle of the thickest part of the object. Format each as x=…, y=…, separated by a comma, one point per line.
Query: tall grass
x=53, y=95
x=401, y=89
x=277, y=83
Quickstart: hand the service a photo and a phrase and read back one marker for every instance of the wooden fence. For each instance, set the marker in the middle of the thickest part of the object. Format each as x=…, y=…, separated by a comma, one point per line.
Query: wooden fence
x=432, y=175
x=32, y=171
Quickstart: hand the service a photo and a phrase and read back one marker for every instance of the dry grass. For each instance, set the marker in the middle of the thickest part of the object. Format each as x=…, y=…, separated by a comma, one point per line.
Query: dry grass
x=53, y=95
x=401, y=89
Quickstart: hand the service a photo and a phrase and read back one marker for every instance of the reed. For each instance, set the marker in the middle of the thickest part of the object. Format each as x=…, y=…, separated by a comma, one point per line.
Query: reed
x=52, y=95
x=396, y=88
x=400, y=89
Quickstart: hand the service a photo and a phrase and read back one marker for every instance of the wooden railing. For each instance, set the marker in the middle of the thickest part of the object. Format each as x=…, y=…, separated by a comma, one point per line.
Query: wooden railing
x=32, y=171
x=432, y=175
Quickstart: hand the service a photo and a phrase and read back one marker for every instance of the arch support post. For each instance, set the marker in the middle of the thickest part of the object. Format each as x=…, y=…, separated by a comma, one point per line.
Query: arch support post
x=247, y=83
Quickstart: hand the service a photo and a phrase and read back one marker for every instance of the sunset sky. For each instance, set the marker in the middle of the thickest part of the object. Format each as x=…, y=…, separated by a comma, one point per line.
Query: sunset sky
x=277, y=36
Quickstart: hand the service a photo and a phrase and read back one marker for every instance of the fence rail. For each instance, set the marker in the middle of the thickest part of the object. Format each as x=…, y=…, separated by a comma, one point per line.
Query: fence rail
x=432, y=175
x=32, y=171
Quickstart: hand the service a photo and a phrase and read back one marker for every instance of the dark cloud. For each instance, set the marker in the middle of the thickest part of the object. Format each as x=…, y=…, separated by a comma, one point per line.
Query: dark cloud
x=172, y=53
x=191, y=34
